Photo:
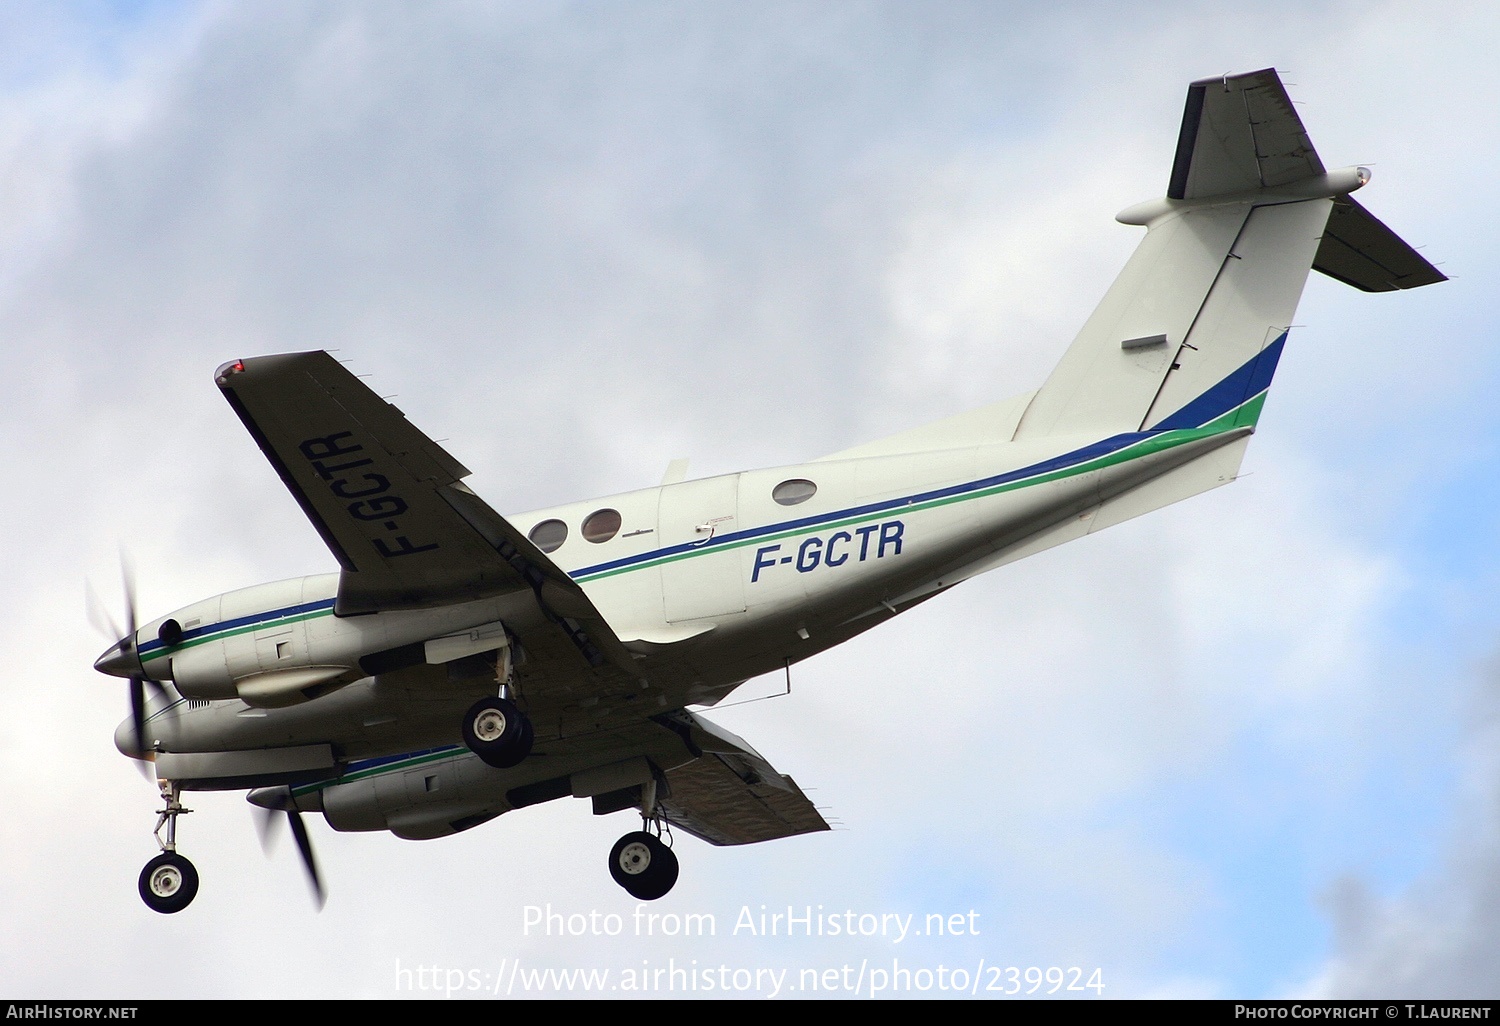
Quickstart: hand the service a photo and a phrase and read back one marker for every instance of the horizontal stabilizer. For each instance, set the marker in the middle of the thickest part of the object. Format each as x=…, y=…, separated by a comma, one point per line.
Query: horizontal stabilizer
x=1240, y=133
x=1359, y=250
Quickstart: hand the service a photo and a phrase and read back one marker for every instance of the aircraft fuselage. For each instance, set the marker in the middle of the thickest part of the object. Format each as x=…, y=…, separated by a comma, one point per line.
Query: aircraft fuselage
x=738, y=583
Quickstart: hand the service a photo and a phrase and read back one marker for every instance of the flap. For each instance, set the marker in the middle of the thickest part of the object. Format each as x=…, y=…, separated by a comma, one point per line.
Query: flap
x=731, y=795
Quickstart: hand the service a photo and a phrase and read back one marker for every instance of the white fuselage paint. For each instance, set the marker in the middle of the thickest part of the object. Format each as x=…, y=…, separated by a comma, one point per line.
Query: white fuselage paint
x=759, y=586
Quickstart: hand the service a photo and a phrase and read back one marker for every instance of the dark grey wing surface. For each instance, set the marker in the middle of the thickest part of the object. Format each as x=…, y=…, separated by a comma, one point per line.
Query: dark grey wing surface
x=731, y=795
x=390, y=504
x=1359, y=250
x=1239, y=133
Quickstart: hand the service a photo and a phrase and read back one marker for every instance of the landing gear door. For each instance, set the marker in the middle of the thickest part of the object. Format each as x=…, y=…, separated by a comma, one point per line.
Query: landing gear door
x=702, y=577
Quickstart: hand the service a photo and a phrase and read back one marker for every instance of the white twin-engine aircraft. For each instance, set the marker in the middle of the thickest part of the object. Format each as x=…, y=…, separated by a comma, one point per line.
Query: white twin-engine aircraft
x=462, y=664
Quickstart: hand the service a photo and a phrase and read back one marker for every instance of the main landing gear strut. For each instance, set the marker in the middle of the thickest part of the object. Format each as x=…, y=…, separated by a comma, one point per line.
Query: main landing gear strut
x=169, y=882
x=495, y=729
x=641, y=862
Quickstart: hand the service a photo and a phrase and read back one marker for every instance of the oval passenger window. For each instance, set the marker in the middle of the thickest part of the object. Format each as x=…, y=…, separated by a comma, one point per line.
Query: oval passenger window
x=601, y=525
x=789, y=493
x=549, y=535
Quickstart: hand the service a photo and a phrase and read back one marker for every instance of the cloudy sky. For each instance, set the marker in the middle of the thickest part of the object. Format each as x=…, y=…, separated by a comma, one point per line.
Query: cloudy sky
x=1246, y=746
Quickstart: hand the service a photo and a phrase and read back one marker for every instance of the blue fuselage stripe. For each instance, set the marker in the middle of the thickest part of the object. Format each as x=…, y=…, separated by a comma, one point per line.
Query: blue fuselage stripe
x=1083, y=455
x=1252, y=378
x=147, y=647
x=361, y=765
x=1244, y=383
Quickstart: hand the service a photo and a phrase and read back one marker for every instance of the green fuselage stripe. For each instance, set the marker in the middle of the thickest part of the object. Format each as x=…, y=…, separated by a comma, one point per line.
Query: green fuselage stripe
x=167, y=651
x=1244, y=415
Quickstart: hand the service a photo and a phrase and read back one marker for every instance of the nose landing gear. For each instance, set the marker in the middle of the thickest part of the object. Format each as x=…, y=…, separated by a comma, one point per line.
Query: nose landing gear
x=169, y=883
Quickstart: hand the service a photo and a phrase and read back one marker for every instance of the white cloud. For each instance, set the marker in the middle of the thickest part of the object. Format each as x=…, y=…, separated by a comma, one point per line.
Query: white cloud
x=1439, y=937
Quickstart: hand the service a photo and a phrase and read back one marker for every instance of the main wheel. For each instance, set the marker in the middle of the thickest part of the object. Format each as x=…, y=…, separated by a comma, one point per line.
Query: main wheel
x=498, y=732
x=168, y=883
x=642, y=865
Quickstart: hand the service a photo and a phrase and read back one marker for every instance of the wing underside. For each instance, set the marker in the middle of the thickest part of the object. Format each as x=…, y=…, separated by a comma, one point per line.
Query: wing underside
x=712, y=800
x=390, y=502
x=709, y=783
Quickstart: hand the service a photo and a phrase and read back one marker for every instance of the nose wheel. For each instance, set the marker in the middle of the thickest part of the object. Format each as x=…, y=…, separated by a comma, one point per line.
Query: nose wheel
x=169, y=883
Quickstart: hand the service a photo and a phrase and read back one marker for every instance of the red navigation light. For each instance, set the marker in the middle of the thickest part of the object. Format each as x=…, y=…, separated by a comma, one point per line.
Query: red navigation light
x=232, y=367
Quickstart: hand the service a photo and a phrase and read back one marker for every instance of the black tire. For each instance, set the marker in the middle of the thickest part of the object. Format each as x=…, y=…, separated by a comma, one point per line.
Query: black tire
x=169, y=883
x=641, y=864
x=498, y=732
x=528, y=737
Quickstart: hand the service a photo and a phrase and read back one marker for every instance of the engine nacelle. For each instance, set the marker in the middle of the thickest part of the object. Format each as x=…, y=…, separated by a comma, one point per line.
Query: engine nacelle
x=438, y=793
x=280, y=644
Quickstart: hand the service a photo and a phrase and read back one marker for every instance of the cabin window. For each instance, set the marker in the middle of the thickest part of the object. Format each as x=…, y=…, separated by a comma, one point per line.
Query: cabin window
x=601, y=525
x=789, y=493
x=549, y=535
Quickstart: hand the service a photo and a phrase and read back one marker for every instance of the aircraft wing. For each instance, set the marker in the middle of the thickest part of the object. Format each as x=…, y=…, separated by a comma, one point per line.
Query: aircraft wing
x=731, y=795
x=1239, y=133
x=390, y=504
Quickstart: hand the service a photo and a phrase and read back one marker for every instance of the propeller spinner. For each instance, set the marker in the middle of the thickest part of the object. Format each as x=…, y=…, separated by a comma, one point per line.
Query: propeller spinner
x=123, y=660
